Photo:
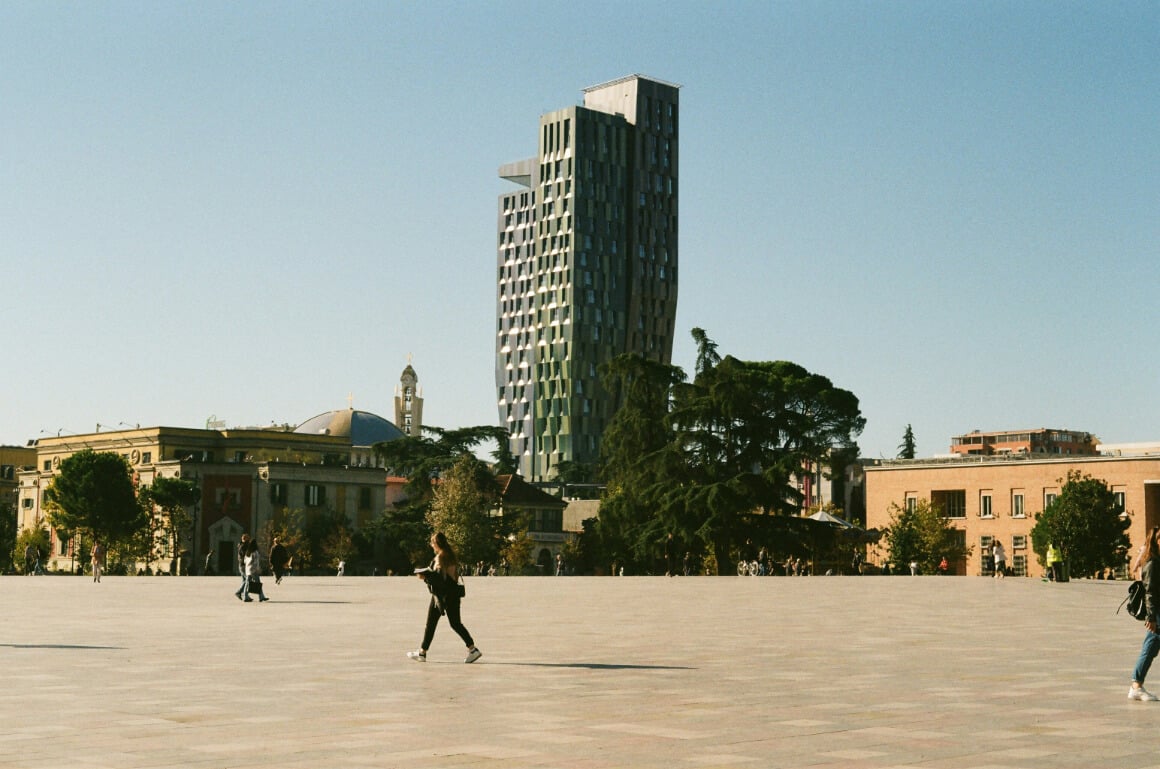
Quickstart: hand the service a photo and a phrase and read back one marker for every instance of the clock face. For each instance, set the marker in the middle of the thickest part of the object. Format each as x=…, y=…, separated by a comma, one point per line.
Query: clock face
x=408, y=379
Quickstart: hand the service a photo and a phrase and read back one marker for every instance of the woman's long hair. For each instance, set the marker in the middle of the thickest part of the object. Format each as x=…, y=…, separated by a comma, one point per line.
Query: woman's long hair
x=447, y=555
x=1152, y=546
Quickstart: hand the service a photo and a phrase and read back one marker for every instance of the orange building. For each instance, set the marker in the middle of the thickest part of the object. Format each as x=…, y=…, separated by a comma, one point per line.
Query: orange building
x=998, y=496
x=1040, y=441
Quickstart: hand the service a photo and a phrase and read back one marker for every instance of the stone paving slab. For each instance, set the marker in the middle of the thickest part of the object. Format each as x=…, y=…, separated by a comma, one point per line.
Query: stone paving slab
x=593, y=673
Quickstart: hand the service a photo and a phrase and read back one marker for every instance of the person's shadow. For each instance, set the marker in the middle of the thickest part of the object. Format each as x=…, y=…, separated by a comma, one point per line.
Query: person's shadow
x=593, y=665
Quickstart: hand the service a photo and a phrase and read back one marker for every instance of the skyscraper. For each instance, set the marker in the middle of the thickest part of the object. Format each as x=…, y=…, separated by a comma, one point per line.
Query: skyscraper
x=587, y=266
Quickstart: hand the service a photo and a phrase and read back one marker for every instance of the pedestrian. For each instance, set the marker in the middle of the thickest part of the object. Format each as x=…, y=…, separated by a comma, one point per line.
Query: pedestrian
x=1150, y=576
x=1055, y=563
x=559, y=564
x=29, y=560
x=999, y=555
x=279, y=558
x=254, y=572
x=243, y=546
x=208, y=569
x=913, y=568
x=670, y=571
x=97, y=555
x=944, y=567
x=442, y=578
x=341, y=568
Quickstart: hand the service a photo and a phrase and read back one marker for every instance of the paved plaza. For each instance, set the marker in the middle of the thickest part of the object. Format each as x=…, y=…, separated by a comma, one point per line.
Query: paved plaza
x=591, y=673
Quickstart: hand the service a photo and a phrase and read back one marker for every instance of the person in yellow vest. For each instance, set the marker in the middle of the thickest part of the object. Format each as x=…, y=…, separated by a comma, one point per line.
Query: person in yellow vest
x=1054, y=563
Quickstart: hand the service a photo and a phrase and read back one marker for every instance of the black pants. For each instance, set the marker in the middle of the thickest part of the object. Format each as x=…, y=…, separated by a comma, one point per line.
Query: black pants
x=451, y=605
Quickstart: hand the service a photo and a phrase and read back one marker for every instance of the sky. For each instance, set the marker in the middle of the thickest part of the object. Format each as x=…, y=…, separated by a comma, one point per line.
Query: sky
x=258, y=212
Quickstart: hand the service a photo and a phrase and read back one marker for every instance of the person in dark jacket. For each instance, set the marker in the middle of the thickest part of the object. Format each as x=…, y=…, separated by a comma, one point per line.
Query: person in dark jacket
x=279, y=559
x=442, y=579
x=1150, y=576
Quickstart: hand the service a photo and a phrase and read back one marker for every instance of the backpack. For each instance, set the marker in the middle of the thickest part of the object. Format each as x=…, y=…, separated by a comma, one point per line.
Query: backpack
x=1137, y=607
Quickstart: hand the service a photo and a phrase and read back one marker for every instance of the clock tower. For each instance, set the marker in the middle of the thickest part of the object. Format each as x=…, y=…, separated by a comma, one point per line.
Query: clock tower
x=409, y=403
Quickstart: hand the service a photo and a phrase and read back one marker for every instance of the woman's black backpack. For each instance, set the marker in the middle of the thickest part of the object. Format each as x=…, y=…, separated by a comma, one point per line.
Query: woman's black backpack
x=1137, y=607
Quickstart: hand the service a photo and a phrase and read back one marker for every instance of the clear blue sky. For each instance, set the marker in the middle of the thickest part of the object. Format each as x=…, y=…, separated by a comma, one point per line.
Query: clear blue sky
x=250, y=210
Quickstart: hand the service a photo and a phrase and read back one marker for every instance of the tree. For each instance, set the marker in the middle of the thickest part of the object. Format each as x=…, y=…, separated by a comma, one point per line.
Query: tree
x=93, y=492
x=743, y=432
x=517, y=551
x=704, y=459
x=633, y=456
x=285, y=525
x=8, y=524
x=906, y=449
x=921, y=534
x=173, y=498
x=1085, y=523
x=36, y=538
x=461, y=509
x=422, y=460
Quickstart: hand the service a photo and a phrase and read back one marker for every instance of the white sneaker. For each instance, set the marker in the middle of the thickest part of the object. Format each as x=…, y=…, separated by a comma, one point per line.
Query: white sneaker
x=417, y=656
x=1141, y=694
x=473, y=655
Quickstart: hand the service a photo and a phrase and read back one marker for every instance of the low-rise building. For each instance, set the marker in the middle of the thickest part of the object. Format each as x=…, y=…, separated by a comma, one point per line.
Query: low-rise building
x=1042, y=440
x=988, y=497
x=244, y=477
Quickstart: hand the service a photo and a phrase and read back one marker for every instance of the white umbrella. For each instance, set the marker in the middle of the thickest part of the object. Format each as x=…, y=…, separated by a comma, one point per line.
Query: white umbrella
x=825, y=517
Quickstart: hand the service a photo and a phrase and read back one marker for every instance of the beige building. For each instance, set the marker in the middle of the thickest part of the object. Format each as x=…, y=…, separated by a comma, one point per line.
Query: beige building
x=245, y=476
x=998, y=496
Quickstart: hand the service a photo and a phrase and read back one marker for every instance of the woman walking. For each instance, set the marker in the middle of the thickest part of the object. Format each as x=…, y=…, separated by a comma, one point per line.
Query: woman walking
x=1150, y=575
x=442, y=578
x=253, y=564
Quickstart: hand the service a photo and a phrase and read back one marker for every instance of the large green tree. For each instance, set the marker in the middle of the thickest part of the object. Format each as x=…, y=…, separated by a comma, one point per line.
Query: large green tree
x=172, y=498
x=93, y=493
x=404, y=528
x=634, y=462
x=1085, y=523
x=921, y=534
x=699, y=459
x=744, y=431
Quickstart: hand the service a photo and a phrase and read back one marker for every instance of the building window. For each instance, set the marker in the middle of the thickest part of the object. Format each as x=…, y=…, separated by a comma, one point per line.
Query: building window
x=911, y=503
x=28, y=503
x=146, y=457
x=548, y=520
x=364, y=499
x=985, y=506
x=315, y=495
x=1048, y=498
x=1118, y=496
x=1019, y=565
x=278, y=493
x=950, y=503
x=1017, y=510
x=1019, y=542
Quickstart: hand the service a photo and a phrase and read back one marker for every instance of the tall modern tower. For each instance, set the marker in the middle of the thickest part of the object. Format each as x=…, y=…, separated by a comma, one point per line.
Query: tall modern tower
x=587, y=266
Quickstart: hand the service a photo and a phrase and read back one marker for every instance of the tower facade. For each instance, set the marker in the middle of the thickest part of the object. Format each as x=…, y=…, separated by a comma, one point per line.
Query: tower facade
x=587, y=266
x=409, y=403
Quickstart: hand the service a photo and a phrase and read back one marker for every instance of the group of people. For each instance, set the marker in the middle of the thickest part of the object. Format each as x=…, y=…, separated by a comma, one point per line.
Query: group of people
x=250, y=567
x=442, y=578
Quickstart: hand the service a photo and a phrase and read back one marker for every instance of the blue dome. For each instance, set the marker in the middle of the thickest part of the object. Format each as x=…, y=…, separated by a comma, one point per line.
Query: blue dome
x=361, y=427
